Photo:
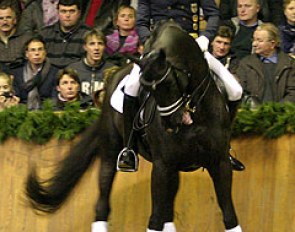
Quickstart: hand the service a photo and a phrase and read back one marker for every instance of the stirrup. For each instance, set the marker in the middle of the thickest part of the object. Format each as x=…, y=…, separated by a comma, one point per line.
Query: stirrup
x=127, y=160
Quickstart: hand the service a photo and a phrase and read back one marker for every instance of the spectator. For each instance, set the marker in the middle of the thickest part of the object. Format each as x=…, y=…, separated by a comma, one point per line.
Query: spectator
x=90, y=68
x=124, y=41
x=244, y=26
x=221, y=47
x=68, y=87
x=100, y=13
x=35, y=80
x=269, y=73
x=7, y=97
x=64, y=39
x=183, y=12
x=37, y=14
x=271, y=10
x=11, y=40
x=287, y=29
x=14, y=4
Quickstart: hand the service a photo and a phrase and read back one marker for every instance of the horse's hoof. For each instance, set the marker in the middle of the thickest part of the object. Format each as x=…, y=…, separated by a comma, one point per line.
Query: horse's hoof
x=236, y=164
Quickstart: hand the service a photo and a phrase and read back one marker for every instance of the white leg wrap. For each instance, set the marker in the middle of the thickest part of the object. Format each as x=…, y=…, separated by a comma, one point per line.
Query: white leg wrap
x=148, y=230
x=99, y=226
x=169, y=227
x=132, y=84
x=233, y=88
x=235, y=229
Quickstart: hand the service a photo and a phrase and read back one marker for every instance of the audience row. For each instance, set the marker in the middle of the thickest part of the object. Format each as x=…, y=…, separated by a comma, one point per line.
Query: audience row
x=49, y=36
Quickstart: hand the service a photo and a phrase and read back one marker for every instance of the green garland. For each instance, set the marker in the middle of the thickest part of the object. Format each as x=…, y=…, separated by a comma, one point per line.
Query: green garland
x=270, y=120
x=41, y=126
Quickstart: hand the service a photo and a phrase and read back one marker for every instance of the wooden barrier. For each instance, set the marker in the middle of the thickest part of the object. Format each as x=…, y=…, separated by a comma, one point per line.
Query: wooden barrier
x=263, y=194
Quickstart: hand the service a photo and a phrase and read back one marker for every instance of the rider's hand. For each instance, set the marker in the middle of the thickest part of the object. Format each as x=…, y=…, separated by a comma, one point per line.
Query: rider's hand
x=203, y=43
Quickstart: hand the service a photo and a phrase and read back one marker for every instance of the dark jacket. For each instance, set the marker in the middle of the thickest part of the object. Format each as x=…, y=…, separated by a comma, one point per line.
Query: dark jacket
x=181, y=11
x=45, y=81
x=287, y=32
x=271, y=10
x=11, y=54
x=91, y=77
x=250, y=73
x=32, y=17
x=64, y=49
x=84, y=102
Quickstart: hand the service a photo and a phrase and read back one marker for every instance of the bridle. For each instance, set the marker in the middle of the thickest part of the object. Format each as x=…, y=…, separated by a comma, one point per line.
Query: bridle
x=186, y=98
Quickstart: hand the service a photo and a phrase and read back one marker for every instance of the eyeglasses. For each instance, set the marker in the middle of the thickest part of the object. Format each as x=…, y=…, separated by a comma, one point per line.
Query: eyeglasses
x=36, y=50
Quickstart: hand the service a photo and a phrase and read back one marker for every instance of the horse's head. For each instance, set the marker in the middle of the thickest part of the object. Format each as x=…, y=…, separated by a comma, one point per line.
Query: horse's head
x=168, y=84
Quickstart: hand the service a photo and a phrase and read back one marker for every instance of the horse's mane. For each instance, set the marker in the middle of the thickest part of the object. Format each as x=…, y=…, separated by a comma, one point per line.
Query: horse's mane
x=181, y=49
x=158, y=29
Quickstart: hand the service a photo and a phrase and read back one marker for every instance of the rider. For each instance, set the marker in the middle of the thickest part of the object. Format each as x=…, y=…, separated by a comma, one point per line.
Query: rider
x=187, y=14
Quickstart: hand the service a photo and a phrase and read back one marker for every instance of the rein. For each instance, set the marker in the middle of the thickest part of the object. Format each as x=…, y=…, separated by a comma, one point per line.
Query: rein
x=186, y=98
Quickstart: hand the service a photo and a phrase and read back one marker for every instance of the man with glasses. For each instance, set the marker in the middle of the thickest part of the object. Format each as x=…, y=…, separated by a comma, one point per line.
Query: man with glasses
x=35, y=80
x=11, y=40
x=64, y=39
x=269, y=73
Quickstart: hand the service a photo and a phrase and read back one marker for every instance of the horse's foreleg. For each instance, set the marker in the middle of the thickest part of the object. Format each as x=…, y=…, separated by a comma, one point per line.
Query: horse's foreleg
x=106, y=178
x=165, y=183
x=222, y=178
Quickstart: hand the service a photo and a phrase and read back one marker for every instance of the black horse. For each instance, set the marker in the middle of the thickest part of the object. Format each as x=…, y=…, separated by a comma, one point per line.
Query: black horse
x=185, y=125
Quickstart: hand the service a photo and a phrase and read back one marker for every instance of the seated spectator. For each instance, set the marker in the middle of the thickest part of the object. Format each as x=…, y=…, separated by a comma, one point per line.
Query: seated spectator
x=11, y=40
x=7, y=97
x=100, y=13
x=35, y=80
x=68, y=87
x=124, y=40
x=269, y=73
x=221, y=47
x=287, y=29
x=37, y=14
x=64, y=39
x=271, y=10
x=243, y=26
x=91, y=67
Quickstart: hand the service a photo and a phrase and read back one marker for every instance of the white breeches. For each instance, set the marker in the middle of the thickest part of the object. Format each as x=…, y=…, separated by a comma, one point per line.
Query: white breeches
x=232, y=86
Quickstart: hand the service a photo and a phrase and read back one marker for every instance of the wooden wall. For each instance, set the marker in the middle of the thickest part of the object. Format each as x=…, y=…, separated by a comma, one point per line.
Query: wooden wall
x=263, y=194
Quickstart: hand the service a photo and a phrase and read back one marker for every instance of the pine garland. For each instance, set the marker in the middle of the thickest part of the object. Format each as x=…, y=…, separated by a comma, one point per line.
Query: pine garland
x=270, y=120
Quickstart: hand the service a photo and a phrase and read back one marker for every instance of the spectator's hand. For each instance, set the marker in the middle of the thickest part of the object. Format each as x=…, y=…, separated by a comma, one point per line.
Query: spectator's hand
x=8, y=102
x=203, y=43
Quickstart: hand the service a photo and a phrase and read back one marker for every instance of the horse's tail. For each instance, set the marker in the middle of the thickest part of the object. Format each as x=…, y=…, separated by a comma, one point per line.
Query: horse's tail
x=49, y=195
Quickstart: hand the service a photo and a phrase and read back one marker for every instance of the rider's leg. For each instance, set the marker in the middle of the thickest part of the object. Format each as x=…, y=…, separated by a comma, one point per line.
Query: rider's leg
x=234, y=92
x=128, y=159
x=233, y=88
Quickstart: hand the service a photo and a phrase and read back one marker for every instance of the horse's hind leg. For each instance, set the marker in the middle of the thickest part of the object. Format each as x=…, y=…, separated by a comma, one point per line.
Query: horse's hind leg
x=165, y=184
x=222, y=178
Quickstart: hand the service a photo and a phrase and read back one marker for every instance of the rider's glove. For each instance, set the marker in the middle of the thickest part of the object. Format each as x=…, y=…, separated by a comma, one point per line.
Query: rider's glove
x=203, y=42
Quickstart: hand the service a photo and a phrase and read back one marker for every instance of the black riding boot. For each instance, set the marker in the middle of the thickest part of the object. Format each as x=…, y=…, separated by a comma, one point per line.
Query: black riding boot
x=127, y=158
x=236, y=164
